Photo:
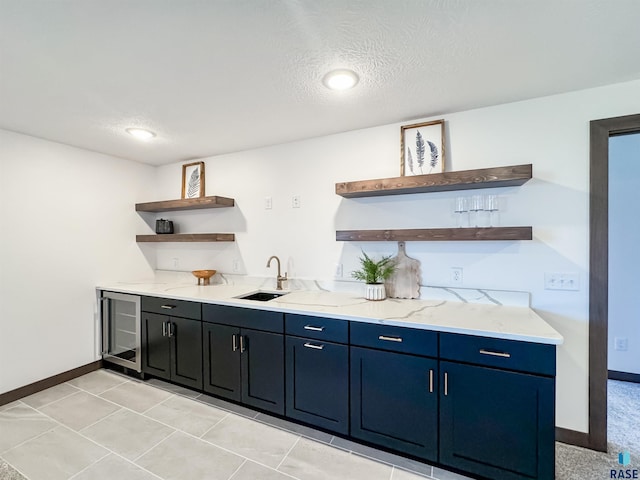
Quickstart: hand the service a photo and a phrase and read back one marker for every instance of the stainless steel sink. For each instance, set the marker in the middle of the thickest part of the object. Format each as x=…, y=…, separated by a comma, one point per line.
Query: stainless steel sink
x=262, y=296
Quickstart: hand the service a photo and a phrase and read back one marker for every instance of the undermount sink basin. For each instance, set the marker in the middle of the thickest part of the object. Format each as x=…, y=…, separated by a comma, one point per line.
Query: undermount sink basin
x=262, y=296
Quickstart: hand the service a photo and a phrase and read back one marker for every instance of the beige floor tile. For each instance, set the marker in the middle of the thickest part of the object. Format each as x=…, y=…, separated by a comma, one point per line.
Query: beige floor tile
x=7, y=406
x=49, y=395
x=311, y=460
x=399, y=474
x=114, y=467
x=253, y=471
x=79, y=410
x=57, y=454
x=127, y=433
x=136, y=396
x=182, y=457
x=256, y=441
x=22, y=423
x=98, y=381
x=187, y=415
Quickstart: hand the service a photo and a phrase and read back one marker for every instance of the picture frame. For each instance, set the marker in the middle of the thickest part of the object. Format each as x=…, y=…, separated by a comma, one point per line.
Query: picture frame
x=193, y=180
x=422, y=148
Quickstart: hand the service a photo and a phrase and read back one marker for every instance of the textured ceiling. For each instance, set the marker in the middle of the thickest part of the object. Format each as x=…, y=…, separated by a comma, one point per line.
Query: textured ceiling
x=219, y=76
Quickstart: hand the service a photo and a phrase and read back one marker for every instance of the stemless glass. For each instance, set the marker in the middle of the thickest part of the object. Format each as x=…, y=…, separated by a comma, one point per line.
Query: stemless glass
x=491, y=205
x=477, y=207
x=461, y=211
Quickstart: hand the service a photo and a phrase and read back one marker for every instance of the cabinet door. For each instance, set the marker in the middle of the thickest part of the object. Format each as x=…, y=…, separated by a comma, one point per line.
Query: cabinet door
x=156, y=347
x=394, y=401
x=221, y=360
x=186, y=352
x=318, y=383
x=496, y=423
x=263, y=370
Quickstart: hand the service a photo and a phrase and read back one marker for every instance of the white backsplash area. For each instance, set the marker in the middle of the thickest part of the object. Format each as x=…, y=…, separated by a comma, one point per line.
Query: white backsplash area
x=427, y=292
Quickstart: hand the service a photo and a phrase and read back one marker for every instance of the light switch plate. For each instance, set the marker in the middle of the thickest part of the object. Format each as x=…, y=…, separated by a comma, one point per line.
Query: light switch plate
x=561, y=281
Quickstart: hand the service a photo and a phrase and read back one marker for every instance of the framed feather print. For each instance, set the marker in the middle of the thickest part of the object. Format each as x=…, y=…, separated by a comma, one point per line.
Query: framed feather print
x=422, y=148
x=193, y=180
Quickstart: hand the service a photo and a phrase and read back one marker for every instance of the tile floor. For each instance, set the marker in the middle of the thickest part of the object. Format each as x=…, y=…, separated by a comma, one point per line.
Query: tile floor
x=104, y=426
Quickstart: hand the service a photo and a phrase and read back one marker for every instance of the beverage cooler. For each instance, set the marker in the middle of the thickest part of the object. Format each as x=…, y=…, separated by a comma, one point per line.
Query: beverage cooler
x=120, y=315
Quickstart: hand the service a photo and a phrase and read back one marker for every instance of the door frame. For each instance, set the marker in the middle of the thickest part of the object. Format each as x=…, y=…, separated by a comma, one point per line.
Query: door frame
x=600, y=131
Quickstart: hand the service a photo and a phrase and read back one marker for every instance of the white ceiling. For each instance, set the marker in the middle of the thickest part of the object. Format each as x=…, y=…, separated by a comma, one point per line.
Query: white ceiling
x=217, y=76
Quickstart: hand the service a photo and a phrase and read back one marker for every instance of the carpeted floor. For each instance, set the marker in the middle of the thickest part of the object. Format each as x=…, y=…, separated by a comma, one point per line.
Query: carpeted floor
x=623, y=434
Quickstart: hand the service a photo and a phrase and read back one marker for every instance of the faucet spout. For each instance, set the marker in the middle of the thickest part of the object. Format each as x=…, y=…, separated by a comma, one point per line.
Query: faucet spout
x=279, y=278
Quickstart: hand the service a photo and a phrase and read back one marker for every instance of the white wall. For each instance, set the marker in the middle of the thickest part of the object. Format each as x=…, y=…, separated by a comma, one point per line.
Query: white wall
x=624, y=251
x=68, y=222
x=551, y=132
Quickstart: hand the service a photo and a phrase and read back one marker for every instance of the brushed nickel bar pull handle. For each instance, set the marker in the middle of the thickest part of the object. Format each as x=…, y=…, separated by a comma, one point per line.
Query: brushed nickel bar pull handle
x=168, y=307
x=315, y=329
x=242, y=346
x=164, y=329
x=170, y=330
x=234, y=342
x=446, y=384
x=390, y=339
x=431, y=381
x=495, y=354
x=316, y=347
x=105, y=325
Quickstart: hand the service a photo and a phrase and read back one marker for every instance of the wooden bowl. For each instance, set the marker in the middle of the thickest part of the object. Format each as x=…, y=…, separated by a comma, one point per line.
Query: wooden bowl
x=203, y=275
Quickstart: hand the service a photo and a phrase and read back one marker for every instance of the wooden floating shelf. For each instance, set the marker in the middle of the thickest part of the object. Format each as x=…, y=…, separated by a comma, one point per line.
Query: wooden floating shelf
x=185, y=204
x=436, y=234
x=511, y=176
x=187, y=237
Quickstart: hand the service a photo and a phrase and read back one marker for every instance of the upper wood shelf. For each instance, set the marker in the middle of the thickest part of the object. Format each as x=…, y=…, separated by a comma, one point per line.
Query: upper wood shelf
x=185, y=204
x=438, y=182
x=187, y=237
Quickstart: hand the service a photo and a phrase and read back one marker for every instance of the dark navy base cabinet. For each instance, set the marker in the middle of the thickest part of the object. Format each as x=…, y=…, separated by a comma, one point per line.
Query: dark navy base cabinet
x=394, y=401
x=221, y=360
x=318, y=383
x=496, y=423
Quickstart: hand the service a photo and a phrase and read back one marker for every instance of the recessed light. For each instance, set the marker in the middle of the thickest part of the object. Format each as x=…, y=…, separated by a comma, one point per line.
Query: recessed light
x=141, y=133
x=340, y=79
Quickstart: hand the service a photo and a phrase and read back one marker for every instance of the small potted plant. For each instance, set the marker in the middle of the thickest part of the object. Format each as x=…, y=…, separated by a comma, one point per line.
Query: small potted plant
x=374, y=274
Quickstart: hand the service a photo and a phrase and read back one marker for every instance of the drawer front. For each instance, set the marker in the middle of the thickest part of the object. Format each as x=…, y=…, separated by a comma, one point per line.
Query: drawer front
x=495, y=352
x=395, y=339
x=244, y=318
x=174, y=308
x=318, y=328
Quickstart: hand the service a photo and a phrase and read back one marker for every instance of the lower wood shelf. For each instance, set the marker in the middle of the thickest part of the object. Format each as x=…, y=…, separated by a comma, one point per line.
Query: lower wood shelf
x=187, y=237
x=436, y=234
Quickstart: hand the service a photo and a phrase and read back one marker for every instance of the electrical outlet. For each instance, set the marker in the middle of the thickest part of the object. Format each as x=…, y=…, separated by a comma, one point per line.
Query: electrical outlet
x=268, y=203
x=176, y=262
x=236, y=265
x=338, y=270
x=295, y=201
x=561, y=281
x=456, y=275
x=621, y=344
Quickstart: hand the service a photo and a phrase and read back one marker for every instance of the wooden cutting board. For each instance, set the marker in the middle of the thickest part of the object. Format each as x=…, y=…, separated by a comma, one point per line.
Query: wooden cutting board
x=405, y=281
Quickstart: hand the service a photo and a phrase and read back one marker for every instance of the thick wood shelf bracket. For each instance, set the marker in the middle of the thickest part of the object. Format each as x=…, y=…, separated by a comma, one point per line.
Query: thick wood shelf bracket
x=187, y=237
x=436, y=234
x=185, y=204
x=438, y=182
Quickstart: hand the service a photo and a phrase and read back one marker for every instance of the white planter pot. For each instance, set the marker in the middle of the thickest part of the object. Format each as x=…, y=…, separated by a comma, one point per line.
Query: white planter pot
x=375, y=291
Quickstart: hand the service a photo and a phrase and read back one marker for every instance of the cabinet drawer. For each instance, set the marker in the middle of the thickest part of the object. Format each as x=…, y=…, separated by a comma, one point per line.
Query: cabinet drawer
x=244, y=318
x=496, y=352
x=174, y=308
x=395, y=339
x=318, y=328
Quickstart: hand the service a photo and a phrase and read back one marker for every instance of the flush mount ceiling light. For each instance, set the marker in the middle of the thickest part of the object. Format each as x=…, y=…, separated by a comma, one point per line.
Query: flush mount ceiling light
x=340, y=79
x=140, y=133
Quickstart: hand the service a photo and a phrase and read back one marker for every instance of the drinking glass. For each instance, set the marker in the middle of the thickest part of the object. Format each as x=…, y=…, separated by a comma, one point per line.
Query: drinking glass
x=491, y=205
x=462, y=211
x=477, y=207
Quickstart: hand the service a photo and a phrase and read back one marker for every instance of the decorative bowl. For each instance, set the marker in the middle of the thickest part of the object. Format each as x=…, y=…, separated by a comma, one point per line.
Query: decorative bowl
x=203, y=275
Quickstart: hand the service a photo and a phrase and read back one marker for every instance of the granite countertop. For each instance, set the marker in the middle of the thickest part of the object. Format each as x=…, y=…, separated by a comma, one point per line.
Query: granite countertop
x=497, y=321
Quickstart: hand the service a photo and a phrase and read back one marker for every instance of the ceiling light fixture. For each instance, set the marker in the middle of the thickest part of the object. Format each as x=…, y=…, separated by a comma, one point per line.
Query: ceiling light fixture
x=141, y=133
x=340, y=80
